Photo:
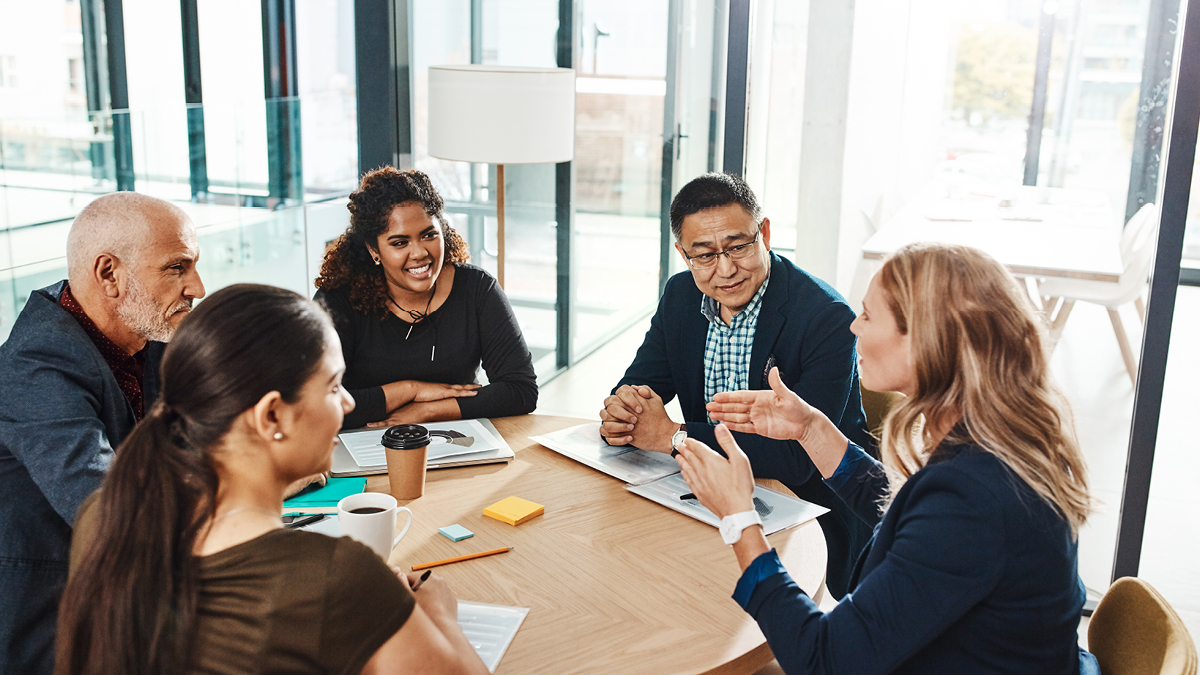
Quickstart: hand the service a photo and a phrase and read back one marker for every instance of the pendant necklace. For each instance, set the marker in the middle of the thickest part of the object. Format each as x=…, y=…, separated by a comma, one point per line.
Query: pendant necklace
x=414, y=314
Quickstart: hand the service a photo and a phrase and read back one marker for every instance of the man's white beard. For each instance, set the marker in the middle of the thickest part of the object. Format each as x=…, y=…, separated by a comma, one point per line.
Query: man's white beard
x=141, y=314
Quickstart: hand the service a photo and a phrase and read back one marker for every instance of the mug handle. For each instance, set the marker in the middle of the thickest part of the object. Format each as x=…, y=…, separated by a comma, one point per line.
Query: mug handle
x=406, y=525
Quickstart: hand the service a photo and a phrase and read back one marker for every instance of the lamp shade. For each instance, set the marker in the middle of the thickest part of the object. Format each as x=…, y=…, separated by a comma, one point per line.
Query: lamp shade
x=502, y=114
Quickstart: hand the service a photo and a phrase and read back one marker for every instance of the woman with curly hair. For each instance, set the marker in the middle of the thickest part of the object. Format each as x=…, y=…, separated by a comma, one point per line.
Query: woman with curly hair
x=415, y=320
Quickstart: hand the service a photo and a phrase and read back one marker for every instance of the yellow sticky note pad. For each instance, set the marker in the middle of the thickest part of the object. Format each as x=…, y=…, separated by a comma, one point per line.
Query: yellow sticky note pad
x=514, y=510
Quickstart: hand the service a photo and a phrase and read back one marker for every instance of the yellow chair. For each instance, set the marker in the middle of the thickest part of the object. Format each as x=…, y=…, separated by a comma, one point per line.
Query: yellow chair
x=1134, y=631
x=876, y=405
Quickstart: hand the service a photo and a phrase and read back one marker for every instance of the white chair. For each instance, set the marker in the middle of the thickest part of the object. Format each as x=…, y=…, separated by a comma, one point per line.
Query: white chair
x=1137, y=256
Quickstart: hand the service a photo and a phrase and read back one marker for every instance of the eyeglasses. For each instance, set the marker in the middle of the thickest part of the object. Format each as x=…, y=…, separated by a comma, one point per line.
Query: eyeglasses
x=706, y=261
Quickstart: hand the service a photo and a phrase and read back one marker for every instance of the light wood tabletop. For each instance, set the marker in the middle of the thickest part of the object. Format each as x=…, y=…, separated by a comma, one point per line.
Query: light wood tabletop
x=1046, y=232
x=615, y=583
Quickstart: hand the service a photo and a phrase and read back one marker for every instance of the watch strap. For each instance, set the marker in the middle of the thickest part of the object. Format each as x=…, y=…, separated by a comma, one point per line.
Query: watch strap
x=733, y=525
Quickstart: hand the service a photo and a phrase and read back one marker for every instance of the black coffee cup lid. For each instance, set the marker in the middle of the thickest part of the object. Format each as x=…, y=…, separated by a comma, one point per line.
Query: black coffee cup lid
x=406, y=437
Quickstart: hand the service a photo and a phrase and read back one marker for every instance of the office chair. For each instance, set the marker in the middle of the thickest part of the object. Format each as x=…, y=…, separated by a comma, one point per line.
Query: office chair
x=1137, y=256
x=1134, y=631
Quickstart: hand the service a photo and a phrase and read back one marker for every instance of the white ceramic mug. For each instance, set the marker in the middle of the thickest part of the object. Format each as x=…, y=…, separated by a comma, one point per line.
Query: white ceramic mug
x=373, y=529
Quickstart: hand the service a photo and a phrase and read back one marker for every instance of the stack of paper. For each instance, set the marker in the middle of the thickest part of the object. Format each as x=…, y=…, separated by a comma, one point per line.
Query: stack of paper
x=632, y=465
x=455, y=443
x=490, y=628
x=777, y=510
x=655, y=476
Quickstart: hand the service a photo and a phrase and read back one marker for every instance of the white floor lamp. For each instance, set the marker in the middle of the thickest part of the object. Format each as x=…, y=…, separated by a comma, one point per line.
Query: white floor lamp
x=501, y=115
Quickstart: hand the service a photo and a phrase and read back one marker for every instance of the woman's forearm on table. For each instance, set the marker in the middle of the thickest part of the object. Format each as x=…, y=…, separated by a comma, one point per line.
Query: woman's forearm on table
x=399, y=393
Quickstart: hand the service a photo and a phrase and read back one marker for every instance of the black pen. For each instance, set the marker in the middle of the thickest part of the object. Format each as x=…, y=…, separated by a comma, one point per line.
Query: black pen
x=316, y=517
x=687, y=497
x=421, y=580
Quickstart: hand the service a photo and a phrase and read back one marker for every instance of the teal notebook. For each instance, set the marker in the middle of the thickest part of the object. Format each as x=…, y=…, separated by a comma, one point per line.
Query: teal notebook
x=333, y=492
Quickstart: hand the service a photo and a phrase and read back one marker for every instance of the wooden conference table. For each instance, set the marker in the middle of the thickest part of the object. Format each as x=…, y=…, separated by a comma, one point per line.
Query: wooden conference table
x=615, y=583
x=1046, y=232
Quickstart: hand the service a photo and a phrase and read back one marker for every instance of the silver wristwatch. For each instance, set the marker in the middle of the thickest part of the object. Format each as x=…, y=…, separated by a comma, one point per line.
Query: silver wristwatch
x=733, y=524
x=677, y=438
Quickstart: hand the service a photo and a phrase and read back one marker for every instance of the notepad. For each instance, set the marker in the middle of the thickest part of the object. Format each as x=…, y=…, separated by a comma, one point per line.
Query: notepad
x=514, y=510
x=456, y=532
x=490, y=628
x=333, y=492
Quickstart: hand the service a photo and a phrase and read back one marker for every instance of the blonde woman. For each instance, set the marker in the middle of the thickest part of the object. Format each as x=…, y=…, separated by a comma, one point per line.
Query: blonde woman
x=976, y=506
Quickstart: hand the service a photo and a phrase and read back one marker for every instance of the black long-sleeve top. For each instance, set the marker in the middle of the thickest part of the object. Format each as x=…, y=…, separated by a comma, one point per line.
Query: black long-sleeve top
x=474, y=325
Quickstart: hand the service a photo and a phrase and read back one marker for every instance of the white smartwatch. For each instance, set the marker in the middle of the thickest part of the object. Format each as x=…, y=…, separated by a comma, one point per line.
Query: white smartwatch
x=733, y=524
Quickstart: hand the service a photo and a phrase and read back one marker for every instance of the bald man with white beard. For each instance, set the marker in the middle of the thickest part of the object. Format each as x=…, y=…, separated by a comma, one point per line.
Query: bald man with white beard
x=77, y=372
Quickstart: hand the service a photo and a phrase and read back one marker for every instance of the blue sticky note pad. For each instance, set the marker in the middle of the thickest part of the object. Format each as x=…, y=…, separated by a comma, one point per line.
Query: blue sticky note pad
x=456, y=532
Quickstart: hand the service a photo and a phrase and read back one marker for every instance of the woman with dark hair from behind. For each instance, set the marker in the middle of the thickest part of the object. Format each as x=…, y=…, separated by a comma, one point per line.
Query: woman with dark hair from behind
x=416, y=321
x=179, y=563
x=976, y=506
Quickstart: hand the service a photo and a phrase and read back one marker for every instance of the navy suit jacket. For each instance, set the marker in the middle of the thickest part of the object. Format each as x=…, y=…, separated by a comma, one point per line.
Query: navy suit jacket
x=803, y=328
x=61, y=417
x=969, y=572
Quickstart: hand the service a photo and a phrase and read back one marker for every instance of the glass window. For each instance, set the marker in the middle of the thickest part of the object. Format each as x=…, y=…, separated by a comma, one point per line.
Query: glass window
x=519, y=33
x=937, y=126
x=620, y=94
x=328, y=105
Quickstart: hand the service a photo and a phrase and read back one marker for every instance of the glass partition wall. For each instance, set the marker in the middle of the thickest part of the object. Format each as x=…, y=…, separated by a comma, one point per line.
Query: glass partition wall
x=206, y=144
x=1033, y=130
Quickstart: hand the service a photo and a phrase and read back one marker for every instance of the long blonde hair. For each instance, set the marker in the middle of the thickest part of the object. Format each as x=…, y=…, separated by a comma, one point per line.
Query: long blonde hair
x=979, y=350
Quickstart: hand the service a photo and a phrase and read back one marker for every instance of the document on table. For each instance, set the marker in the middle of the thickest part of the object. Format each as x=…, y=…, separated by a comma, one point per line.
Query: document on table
x=490, y=628
x=777, y=510
x=632, y=465
x=449, y=439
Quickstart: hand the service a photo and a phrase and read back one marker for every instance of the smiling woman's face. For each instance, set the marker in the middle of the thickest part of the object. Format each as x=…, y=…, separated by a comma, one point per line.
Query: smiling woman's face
x=411, y=249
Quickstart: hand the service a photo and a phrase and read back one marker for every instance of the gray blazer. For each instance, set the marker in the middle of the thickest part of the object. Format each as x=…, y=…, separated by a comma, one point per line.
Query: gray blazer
x=62, y=414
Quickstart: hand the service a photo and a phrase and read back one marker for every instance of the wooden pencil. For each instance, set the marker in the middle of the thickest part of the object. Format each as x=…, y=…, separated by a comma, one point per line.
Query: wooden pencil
x=469, y=556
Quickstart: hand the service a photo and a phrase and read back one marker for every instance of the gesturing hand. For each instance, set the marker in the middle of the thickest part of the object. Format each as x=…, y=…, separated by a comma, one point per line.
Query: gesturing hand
x=723, y=486
x=776, y=413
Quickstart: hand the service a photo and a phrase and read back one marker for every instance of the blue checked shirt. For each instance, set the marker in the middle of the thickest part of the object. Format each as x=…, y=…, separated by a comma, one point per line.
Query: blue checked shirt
x=727, y=349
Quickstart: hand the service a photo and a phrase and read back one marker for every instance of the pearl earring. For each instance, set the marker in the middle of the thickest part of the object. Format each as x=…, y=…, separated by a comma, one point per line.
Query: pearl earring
x=376, y=261
x=278, y=435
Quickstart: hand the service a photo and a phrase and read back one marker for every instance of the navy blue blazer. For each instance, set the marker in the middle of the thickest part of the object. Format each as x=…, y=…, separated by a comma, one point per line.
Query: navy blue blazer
x=63, y=414
x=803, y=328
x=968, y=572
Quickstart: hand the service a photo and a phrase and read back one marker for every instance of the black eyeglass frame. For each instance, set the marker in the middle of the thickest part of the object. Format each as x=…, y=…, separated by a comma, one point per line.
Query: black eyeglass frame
x=715, y=256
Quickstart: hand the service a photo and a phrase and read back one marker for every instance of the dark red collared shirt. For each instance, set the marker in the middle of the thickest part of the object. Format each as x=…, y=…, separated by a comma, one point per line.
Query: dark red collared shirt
x=129, y=370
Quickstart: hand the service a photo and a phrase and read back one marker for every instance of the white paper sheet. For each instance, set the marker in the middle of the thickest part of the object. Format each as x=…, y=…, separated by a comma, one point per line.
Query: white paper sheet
x=490, y=628
x=777, y=510
x=327, y=526
x=365, y=447
x=632, y=465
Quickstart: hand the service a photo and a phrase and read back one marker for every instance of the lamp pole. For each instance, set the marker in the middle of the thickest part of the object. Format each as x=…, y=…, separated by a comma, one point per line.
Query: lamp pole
x=500, y=224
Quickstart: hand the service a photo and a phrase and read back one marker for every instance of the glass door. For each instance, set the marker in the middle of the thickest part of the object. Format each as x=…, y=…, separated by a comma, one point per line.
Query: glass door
x=693, y=117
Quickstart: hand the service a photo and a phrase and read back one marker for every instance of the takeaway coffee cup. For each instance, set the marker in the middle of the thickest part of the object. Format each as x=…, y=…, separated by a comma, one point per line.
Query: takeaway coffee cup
x=370, y=517
x=407, y=448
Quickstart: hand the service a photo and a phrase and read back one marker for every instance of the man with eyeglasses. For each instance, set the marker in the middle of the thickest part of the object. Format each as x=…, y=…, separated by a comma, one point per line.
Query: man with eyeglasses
x=738, y=312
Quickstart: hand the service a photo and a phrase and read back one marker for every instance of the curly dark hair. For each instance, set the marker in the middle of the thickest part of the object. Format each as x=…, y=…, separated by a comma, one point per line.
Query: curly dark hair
x=348, y=263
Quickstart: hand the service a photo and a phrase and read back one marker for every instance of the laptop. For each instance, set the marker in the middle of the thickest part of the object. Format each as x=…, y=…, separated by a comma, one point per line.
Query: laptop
x=454, y=443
